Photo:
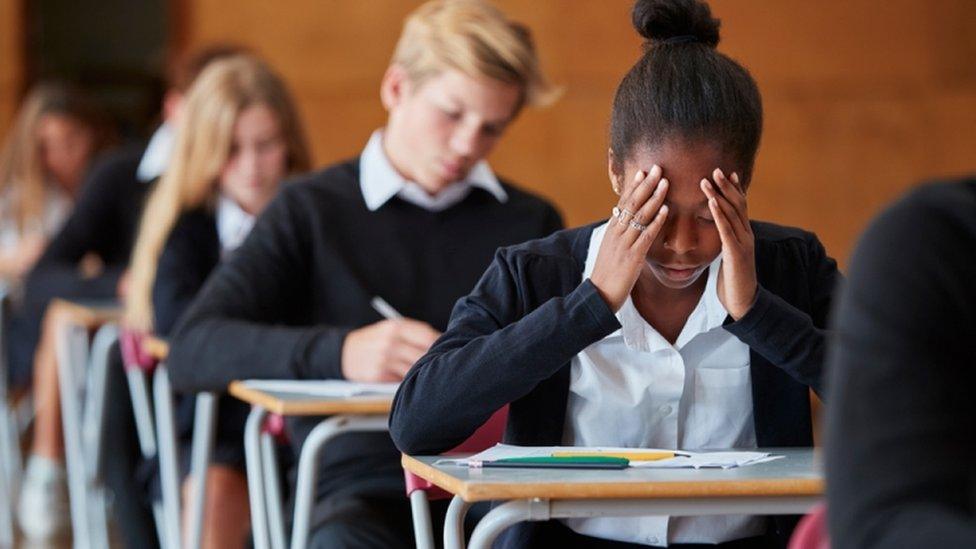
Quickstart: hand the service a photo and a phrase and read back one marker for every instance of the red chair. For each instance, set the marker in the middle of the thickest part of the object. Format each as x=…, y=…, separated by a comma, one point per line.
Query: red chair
x=421, y=492
x=811, y=532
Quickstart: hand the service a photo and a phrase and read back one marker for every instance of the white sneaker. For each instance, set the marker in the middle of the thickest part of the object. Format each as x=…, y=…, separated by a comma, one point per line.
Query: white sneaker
x=44, y=511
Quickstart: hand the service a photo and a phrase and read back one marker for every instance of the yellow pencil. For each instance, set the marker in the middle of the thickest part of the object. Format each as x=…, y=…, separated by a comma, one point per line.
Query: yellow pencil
x=632, y=456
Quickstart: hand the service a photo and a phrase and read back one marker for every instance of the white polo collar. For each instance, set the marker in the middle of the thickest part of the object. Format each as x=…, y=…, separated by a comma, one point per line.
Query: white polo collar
x=379, y=182
x=158, y=151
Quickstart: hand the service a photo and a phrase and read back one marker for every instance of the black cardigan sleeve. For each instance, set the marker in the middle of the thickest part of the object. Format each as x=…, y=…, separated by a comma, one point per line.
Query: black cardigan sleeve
x=191, y=253
x=243, y=324
x=93, y=227
x=900, y=441
x=444, y=398
x=791, y=339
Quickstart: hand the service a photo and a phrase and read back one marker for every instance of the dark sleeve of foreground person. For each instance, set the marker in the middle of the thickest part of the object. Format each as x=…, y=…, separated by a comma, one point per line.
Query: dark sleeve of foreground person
x=901, y=443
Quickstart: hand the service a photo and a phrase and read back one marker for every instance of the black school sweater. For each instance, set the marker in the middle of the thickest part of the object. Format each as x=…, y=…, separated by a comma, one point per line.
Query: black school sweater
x=901, y=439
x=281, y=306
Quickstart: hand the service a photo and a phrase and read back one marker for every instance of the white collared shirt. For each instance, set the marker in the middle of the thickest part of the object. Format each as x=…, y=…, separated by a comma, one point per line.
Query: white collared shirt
x=154, y=161
x=233, y=224
x=634, y=389
x=380, y=182
x=55, y=211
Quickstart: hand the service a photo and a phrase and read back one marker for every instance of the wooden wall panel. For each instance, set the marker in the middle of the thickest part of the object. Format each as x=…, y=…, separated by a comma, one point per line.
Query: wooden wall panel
x=863, y=98
x=11, y=60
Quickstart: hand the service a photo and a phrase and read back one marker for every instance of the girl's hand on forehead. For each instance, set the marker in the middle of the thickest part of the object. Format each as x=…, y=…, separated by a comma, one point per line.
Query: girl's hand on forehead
x=737, y=285
x=636, y=221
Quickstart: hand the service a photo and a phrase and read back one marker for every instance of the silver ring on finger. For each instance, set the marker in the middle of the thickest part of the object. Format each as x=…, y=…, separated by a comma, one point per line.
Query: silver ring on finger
x=636, y=225
x=622, y=215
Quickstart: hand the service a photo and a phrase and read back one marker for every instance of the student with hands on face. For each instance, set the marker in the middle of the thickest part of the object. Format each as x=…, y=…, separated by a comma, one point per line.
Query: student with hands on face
x=676, y=323
x=621, y=260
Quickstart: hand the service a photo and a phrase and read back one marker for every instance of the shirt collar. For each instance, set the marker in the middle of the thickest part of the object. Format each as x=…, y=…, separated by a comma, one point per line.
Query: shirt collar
x=233, y=224
x=637, y=333
x=156, y=157
x=379, y=182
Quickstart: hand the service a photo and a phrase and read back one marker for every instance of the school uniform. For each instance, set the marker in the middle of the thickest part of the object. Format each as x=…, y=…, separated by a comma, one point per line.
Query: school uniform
x=283, y=304
x=900, y=446
x=575, y=372
x=103, y=223
x=55, y=209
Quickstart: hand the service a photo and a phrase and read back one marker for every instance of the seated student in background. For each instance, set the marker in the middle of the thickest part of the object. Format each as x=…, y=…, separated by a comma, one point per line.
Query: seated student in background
x=102, y=227
x=901, y=442
x=239, y=137
x=414, y=220
x=677, y=323
x=56, y=135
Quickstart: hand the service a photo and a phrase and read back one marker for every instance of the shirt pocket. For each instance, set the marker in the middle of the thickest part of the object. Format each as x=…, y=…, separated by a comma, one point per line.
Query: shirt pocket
x=720, y=413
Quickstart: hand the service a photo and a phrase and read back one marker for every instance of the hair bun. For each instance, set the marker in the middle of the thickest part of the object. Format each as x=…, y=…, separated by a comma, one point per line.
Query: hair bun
x=659, y=20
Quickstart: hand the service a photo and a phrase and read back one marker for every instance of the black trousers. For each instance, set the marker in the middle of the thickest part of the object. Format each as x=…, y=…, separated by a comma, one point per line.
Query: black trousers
x=352, y=521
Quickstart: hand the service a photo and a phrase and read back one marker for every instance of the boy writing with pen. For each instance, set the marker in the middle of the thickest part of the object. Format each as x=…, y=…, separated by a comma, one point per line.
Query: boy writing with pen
x=415, y=219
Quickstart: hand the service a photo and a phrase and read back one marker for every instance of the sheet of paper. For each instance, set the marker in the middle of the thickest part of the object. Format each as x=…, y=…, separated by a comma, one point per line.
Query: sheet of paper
x=334, y=388
x=687, y=460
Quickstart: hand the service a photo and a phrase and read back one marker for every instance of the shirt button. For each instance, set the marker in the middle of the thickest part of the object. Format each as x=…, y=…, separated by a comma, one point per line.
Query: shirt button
x=666, y=410
x=652, y=540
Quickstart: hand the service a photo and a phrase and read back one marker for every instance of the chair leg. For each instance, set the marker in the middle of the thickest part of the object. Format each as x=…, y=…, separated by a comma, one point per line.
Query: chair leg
x=255, y=471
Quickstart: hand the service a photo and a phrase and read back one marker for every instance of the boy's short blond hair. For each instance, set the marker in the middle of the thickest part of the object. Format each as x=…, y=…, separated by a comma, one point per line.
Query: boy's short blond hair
x=475, y=38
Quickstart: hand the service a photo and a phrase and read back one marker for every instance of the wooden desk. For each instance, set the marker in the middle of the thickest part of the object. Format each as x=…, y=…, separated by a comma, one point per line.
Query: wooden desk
x=346, y=415
x=156, y=347
x=90, y=315
x=287, y=403
x=791, y=485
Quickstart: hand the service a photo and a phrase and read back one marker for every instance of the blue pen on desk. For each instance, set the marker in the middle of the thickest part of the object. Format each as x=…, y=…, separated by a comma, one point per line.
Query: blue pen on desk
x=385, y=309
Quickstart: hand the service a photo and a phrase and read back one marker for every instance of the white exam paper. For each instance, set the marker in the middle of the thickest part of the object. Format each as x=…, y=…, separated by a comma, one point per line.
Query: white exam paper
x=687, y=460
x=333, y=388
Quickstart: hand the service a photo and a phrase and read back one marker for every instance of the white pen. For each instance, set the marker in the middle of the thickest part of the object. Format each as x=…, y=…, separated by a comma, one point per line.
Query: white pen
x=385, y=309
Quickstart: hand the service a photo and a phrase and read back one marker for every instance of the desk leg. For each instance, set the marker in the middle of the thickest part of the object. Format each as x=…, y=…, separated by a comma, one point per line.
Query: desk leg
x=7, y=492
x=308, y=465
x=423, y=531
x=272, y=490
x=454, y=523
x=169, y=468
x=71, y=348
x=204, y=418
x=513, y=512
x=93, y=430
x=255, y=484
x=505, y=515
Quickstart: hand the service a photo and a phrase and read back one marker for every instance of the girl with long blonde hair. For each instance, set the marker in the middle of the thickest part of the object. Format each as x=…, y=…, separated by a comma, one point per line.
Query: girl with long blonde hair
x=54, y=138
x=239, y=137
x=235, y=100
